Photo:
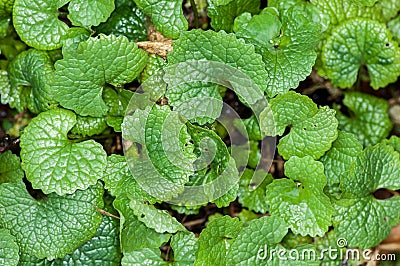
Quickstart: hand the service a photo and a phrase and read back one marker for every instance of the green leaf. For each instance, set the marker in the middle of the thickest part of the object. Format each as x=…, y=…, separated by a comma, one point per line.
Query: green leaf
x=219, y=47
x=154, y=67
x=215, y=241
x=394, y=27
x=71, y=40
x=89, y=126
x=369, y=120
x=28, y=74
x=6, y=8
x=157, y=134
x=132, y=231
x=389, y=8
x=265, y=231
x=98, y=61
x=117, y=102
x=300, y=200
x=184, y=246
x=224, y=12
x=10, y=168
x=361, y=42
x=286, y=45
x=119, y=181
x=53, y=163
x=102, y=249
x=89, y=13
x=254, y=198
x=167, y=16
x=394, y=141
x=363, y=2
x=53, y=226
x=312, y=129
x=183, y=96
x=149, y=256
x=159, y=220
x=9, y=248
x=127, y=20
x=338, y=159
x=362, y=219
x=37, y=23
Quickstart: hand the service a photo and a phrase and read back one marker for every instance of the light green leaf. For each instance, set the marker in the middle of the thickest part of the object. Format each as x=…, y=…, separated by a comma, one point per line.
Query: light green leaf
x=184, y=246
x=9, y=251
x=6, y=8
x=10, y=168
x=394, y=141
x=214, y=241
x=312, y=129
x=300, y=200
x=157, y=135
x=132, y=231
x=361, y=42
x=286, y=42
x=220, y=47
x=117, y=102
x=52, y=162
x=224, y=12
x=29, y=73
x=159, y=220
x=338, y=159
x=265, y=231
x=71, y=40
x=254, y=199
x=389, y=8
x=144, y=256
x=53, y=226
x=90, y=12
x=98, y=61
x=89, y=126
x=154, y=67
x=37, y=23
x=362, y=219
x=119, y=181
x=369, y=120
x=127, y=20
x=166, y=15
x=363, y=2
x=394, y=27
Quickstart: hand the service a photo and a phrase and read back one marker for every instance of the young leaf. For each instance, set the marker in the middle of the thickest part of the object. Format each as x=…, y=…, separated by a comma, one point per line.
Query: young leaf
x=286, y=42
x=51, y=227
x=132, y=230
x=127, y=20
x=89, y=13
x=312, y=129
x=159, y=220
x=9, y=252
x=254, y=199
x=224, y=12
x=338, y=159
x=166, y=15
x=369, y=120
x=265, y=231
x=219, y=47
x=358, y=42
x=98, y=61
x=28, y=74
x=69, y=166
x=361, y=218
x=119, y=181
x=117, y=103
x=89, y=126
x=394, y=141
x=215, y=241
x=37, y=23
x=10, y=168
x=300, y=200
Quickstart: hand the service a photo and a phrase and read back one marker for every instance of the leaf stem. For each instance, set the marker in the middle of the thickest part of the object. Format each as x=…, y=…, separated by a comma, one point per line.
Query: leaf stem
x=195, y=13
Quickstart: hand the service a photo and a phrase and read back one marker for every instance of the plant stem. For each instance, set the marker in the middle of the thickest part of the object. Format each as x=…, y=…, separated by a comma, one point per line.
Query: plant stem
x=195, y=13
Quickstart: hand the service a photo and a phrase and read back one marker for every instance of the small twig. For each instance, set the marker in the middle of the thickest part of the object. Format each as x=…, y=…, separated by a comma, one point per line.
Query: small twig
x=195, y=13
x=104, y=212
x=194, y=222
